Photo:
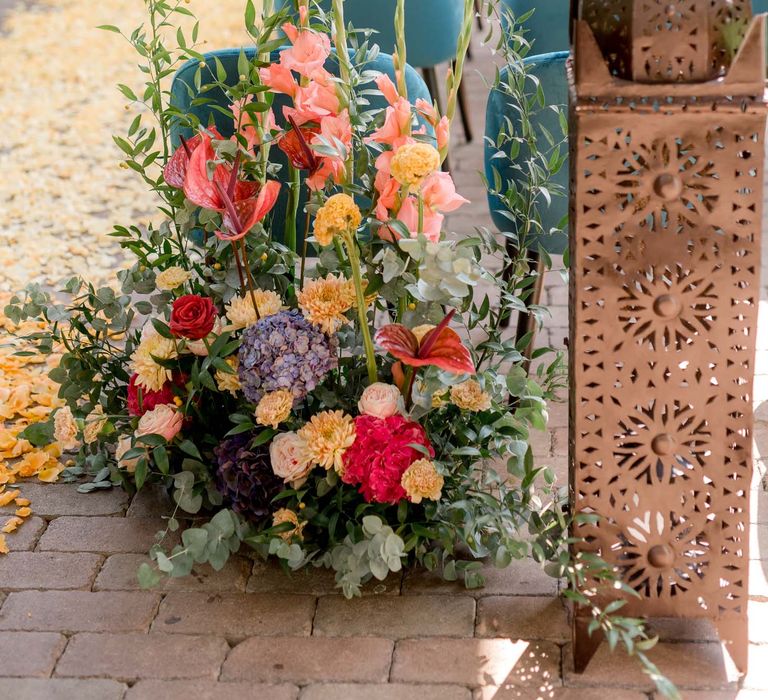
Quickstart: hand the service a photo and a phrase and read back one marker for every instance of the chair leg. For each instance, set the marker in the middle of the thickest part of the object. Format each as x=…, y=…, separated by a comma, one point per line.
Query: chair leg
x=464, y=110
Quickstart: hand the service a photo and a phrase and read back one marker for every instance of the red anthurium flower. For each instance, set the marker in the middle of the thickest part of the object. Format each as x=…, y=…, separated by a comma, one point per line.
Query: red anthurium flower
x=295, y=144
x=441, y=347
x=175, y=170
x=248, y=212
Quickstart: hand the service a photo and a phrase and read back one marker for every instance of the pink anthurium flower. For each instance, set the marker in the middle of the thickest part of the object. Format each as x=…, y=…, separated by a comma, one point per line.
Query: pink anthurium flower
x=441, y=347
x=175, y=170
x=244, y=214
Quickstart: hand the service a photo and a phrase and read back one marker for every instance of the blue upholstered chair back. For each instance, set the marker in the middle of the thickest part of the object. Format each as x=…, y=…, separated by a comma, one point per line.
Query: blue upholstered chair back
x=549, y=69
x=759, y=6
x=547, y=28
x=183, y=93
x=431, y=26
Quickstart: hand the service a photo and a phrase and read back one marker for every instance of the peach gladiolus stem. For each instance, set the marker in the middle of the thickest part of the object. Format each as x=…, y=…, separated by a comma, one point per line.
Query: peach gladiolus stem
x=455, y=73
x=402, y=86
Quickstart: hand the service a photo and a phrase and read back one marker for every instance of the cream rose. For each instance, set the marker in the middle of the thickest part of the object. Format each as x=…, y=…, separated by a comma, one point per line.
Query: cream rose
x=289, y=458
x=162, y=420
x=65, y=429
x=123, y=445
x=380, y=400
x=171, y=278
x=198, y=347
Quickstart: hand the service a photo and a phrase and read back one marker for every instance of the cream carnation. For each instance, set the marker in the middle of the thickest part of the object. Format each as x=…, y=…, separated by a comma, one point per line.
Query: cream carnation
x=93, y=424
x=422, y=480
x=171, y=278
x=226, y=381
x=274, y=408
x=151, y=375
x=289, y=458
x=469, y=396
x=241, y=313
x=325, y=301
x=163, y=420
x=327, y=435
x=65, y=429
x=421, y=331
x=380, y=400
x=286, y=515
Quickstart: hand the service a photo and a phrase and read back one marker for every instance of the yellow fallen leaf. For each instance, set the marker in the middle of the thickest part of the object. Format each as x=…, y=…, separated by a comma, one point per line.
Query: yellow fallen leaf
x=3, y=545
x=11, y=524
x=22, y=501
x=51, y=474
x=24, y=512
x=8, y=496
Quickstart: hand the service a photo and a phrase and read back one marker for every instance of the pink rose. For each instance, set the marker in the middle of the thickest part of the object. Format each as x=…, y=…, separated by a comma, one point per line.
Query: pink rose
x=288, y=455
x=380, y=400
x=162, y=420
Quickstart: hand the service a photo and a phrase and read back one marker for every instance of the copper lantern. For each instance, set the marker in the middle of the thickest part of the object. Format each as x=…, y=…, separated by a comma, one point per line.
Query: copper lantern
x=667, y=123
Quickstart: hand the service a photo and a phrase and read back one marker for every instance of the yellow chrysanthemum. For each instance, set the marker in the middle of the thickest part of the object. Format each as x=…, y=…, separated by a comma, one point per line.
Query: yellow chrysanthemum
x=421, y=331
x=325, y=301
x=171, y=278
x=470, y=397
x=286, y=515
x=338, y=215
x=327, y=436
x=94, y=422
x=274, y=408
x=422, y=480
x=226, y=381
x=413, y=162
x=241, y=313
x=151, y=375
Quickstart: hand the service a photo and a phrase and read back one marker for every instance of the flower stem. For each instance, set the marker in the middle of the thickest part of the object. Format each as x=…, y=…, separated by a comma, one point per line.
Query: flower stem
x=293, y=207
x=249, y=278
x=457, y=68
x=354, y=262
x=402, y=87
x=304, y=249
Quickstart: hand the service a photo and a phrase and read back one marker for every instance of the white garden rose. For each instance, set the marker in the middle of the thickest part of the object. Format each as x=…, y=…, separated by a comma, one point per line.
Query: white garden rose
x=198, y=347
x=380, y=400
x=289, y=458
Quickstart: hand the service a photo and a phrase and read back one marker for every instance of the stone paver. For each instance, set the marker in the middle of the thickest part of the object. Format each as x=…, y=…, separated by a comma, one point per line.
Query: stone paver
x=150, y=502
x=396, y=617
x=48, y=570
x=235, y=615
x=392, y=691
x=100, y=534
x=475, y=662
x=65, y=500
x=26, y=537
x=78, y=611
x=119, y=574
x=209, y=690
x=309, y=660
x=521, y=617
x=134, y=655
x=29, y=653
x=60, y=689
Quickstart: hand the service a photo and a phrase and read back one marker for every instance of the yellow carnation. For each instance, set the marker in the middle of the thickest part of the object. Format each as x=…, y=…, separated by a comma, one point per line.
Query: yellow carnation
x=226, y=381
x=327, y=436
x=469, y=396
x=422, y=480
x=151, y=375
x=274, y=408
x=338, y=215
x=286, y=515
x=325, y=301
x=171, y=278
x=241, y=313
x=94, y=422
x=421, y=331
x=65, y=429
x=413, y=162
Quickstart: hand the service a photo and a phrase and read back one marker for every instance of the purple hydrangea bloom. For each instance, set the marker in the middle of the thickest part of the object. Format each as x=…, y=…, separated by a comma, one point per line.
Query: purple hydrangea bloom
x=285, y=351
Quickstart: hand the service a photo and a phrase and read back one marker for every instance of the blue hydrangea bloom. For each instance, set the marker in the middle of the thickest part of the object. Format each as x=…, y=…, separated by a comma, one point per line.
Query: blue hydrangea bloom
x=285, y=351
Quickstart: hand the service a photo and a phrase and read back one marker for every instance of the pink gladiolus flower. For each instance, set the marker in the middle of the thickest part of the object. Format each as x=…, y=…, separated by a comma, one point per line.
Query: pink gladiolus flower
x=443, y=133
x=313, y=102
x=439, y=193
x=333, y=129
x=387, y=88
x=427, y=110
x=397, y=123
x=278, y=79
x=309, y=51
x=432, y=224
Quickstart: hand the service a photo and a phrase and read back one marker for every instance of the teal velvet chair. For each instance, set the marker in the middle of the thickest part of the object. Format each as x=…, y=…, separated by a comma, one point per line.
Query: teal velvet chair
x=548, y=27
x=549, y=70
x=184, y=93
x=759, y=6
x=432, y=30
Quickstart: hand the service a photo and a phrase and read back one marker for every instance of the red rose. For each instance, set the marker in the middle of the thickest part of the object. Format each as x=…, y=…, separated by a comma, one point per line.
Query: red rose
x=192, y=317
x=380, y=454
x=141, y=400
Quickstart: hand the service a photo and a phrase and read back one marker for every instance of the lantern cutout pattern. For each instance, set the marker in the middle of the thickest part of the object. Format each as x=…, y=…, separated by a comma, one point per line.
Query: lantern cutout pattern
x=667, y=124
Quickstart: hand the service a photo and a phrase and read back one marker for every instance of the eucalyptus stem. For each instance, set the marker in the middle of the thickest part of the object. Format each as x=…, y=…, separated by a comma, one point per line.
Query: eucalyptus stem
x=291, y=215
x=400, y=63
x=362, y=315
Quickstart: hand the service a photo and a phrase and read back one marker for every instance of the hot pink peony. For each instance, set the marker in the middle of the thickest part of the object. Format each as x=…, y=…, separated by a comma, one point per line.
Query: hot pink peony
x=380, y=455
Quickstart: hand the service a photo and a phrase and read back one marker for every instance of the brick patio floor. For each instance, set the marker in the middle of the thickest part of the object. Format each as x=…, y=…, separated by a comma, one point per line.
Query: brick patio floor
x=74, y=625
